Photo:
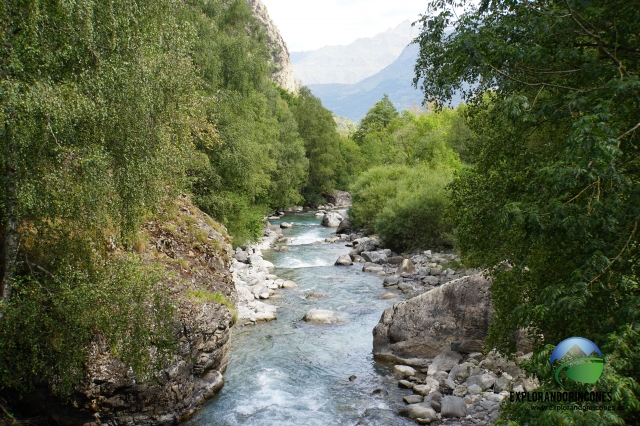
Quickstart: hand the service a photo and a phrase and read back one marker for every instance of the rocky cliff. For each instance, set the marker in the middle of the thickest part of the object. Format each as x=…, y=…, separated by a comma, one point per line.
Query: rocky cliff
x=195, y=253
x=282, y=69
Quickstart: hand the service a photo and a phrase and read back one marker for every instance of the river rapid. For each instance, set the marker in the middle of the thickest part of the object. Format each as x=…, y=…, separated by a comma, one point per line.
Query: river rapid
x=288, y=372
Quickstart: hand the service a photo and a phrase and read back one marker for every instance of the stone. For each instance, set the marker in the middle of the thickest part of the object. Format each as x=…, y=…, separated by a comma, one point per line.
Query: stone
x=374, y=257
x=389, y=281
x=460, y=390
x=378, y=417
x=412, y=399
x=320, y=316
x=426, y=325
x=436, y=271
x=338, y=198
x=388, y=296
x=331, y=220
x=407, y=267
x=502, y=384
x=446, y=386
x=415, y=411
x=404, y=370
x=344, y=226
x=422, y=389
x=395, y=260
x=444, y=362
x=241, y=256
x=286, y=225
x=315, y=296
x=289, y=284
x=372, y=267
x=485, y=381
x=454, y=372
x=453, y=406
x=405, y=384
x=265, y=316
x=474, y=389
x=344, y=260
x=432, y=383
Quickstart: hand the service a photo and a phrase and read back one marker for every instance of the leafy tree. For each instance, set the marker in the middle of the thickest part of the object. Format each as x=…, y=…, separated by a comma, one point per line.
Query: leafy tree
x=96, y=132
x=553, y=90
x=322, y=144
x=378, y=117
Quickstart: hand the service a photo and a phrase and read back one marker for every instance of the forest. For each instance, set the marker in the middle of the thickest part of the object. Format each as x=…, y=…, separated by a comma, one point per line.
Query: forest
x=111, y=110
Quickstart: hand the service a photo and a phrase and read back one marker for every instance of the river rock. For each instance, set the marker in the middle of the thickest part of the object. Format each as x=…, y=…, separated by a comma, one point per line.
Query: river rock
x=320, y=316
x=453, y=406
x=387, y=296
x=331, y=220
x=241, y=256
x=485, y=381
x=474, y=389
x=285, y=225
x=379, y=417
x=344, y=226
x=426, y=325
x=422, y=389
x=374, y=257
x=415, y=411
x=338, y=198
x=407, y=267
x=405, y=384
x=390, y=281
x=444, y=362
x=372, y=267
x=404, y=370
x=344, y=260
x=412, y=399
x=289, y=284
x=395, y=260
x=460, y=391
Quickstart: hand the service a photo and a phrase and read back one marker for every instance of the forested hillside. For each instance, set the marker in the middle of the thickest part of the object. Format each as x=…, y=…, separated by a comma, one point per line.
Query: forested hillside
x=110, y=111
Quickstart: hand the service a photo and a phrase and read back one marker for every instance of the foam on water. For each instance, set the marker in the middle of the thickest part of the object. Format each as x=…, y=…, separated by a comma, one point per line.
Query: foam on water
x=299, y=263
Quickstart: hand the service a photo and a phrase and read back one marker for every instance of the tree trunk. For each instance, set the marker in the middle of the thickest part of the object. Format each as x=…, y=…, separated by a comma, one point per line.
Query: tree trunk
x=9, y=227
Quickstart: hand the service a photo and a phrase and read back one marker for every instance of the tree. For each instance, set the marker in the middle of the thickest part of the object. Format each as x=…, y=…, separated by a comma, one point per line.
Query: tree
x=378, y=118
x=553, y=92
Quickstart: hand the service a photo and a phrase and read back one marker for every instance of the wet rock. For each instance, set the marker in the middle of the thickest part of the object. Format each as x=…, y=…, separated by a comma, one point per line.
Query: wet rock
x=315, y=296
x=389, y=281
x=289, y=284
x=453, y=406
x=415, y=411
x=352, y=378
x=332, y=220
x=344, y=261
x=412, y=399
x=379, y=417
x=286, y=225
x=405, y=384
x=387, y=296
x=404, y=370
x=320, y=316
x=422, y=389
x=374, y=257
x=372, y=267
x=344, y=226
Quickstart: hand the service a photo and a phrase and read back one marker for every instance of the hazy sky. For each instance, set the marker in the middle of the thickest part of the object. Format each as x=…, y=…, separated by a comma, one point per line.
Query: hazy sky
x=311, y=24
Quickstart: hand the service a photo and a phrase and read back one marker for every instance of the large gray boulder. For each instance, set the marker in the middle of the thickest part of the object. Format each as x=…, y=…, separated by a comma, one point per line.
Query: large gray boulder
x=320, y=316
x=374, y=256
x=453, y=406
x=331, y=220
x=426, y=325
x=338, y=198
x=344, y=227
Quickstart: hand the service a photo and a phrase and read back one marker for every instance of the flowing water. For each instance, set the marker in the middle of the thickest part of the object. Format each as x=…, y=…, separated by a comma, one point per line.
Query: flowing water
x=288, y=372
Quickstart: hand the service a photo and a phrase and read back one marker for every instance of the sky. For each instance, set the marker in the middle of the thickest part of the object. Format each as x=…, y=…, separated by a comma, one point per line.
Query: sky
x=311, y=24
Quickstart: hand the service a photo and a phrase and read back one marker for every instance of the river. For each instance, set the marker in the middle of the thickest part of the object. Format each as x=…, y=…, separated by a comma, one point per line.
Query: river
x=288, y=372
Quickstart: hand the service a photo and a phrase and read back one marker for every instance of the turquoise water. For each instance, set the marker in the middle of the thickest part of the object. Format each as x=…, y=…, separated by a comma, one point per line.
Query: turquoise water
x=288, y=372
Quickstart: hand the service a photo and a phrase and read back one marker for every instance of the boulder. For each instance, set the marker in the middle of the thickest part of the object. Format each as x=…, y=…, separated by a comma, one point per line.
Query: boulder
x=395, y=260
x=289, y=284
x=387, y=296
x=374, y=257
x=412, y=399
x=338, y=198
x=426, y=325
x=422, y=389
x=417, y=411
x=453, y=406
x=389, y=281
x=404, y=370
x=344, y=227
x=344, y=260
x=444, y=362
x=372, y=267
x=331, y=220
x=320, y=316
x=485, y=381
x=242, y=256
x=285, y=225
x=407, y=267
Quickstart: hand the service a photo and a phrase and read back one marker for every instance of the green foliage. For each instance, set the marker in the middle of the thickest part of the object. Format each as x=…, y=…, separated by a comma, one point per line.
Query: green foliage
x=414, y=218
x=378, y=118
x=322, y=144
x=51, y=321
x=404, y=205
x=203, y=296
x=552, y=88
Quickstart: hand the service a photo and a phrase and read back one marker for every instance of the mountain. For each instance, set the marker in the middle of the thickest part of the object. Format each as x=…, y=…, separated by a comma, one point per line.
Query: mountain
x=282, y=73
x=354, y=62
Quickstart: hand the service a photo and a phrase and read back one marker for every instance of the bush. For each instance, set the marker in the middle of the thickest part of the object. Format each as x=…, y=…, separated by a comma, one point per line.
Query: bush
x=404, y=205
x=414, y=219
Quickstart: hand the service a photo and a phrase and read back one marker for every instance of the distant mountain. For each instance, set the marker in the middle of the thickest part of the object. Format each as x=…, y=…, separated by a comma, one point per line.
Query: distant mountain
x=354, y=100
x=354, y=62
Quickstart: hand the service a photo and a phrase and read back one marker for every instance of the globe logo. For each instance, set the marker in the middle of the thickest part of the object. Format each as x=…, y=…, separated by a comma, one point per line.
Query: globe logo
x=579, y=359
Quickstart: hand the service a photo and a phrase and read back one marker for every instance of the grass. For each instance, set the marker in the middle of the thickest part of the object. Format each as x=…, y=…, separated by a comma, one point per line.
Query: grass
x=203, y=296
x=141, y=243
